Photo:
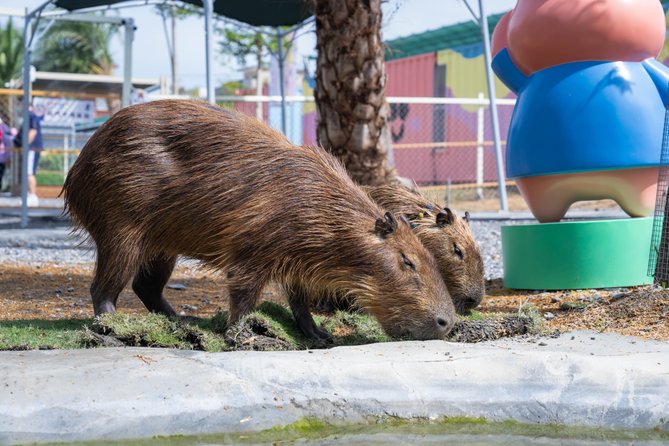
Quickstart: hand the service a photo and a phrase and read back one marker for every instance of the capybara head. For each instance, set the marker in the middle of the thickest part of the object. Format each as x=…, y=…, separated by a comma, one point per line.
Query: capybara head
x=407, y=269
x=447, y=236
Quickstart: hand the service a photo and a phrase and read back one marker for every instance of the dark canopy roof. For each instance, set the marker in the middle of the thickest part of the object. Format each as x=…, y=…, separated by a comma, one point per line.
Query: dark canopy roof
x=253, y=12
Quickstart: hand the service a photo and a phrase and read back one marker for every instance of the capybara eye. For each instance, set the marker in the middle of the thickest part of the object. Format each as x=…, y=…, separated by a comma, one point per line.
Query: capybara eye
x=457, y=251
x=408, y=262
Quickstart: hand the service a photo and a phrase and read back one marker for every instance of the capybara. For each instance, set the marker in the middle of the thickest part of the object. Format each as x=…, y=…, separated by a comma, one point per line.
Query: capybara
x=446, y=235
x=184, y=178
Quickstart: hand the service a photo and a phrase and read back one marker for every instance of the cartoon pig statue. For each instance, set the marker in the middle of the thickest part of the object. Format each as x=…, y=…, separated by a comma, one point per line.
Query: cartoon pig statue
x=589, y=118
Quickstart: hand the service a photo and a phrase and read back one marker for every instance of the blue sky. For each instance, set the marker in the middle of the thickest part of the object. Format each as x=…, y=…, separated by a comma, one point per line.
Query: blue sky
x=151, y=60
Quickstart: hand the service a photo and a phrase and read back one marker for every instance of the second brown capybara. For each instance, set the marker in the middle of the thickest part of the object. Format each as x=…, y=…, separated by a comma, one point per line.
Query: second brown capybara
x=184, y=178
x=446, y=235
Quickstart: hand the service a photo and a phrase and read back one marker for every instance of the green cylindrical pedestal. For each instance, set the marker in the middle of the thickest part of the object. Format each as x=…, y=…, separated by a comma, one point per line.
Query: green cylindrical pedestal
x=577, y=254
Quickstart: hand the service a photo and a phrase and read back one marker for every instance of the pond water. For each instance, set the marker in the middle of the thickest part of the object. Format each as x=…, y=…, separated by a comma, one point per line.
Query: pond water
x=468, y=433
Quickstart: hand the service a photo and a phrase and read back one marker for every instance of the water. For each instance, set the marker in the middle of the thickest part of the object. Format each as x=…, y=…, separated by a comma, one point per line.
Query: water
x=452, y=432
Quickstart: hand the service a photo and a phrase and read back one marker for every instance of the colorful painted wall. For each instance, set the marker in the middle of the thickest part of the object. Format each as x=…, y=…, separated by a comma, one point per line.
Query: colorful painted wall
x=458, y=73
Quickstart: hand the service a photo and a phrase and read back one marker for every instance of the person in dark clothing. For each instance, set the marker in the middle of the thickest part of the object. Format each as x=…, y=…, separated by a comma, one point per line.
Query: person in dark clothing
x=36, y=147
x=6, y=143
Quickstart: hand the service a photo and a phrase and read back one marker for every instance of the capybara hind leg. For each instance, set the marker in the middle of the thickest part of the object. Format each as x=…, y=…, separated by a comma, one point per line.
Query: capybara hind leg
x=105, y=290
x=299, y=304
x=149, y=282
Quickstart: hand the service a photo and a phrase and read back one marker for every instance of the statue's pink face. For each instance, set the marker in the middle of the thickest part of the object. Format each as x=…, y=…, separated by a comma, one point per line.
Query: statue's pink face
x=543, y=33
x=499, y=38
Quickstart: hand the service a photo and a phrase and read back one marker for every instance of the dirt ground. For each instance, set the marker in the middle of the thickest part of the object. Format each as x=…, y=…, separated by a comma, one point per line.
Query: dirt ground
x=55, y=292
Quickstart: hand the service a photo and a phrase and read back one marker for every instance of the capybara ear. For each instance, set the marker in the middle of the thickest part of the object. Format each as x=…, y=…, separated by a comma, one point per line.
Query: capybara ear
x=445, y=217
x=385, y=227
x=467, y=216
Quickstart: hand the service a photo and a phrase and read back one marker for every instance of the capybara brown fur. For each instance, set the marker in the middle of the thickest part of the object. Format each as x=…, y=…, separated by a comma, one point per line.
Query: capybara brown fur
x=446, y=235
x=184, y=178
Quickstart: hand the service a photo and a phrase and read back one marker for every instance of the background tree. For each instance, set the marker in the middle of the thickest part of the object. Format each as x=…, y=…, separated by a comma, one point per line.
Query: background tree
x=240, y=42
x=174, y=13
x=75, y=47
x=350, y=83
x=11, y=52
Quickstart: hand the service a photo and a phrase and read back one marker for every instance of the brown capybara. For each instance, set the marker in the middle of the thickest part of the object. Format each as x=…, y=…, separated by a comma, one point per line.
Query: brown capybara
x=446, y=235
x=184, y=178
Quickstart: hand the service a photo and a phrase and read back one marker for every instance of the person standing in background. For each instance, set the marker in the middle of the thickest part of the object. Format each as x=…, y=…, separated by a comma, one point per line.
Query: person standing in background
x=6, y=144
x=36, y=147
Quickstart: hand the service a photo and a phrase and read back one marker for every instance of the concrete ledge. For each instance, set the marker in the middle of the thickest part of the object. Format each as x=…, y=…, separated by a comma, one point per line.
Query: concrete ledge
x=579, y=378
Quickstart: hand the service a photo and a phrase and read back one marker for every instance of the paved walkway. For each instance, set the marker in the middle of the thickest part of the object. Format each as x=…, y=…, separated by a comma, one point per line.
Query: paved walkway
x=580, y=378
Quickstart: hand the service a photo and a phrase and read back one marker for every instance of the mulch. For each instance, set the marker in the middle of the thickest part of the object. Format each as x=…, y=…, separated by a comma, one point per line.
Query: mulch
x=61, y=292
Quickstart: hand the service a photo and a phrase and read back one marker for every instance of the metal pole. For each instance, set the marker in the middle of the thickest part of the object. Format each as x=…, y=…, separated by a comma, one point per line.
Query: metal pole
x=66, y=143
x=480, y=138
x=281, y=81
x=129, y=36
x=208, y=43
x=25, y=131
x=501, y=176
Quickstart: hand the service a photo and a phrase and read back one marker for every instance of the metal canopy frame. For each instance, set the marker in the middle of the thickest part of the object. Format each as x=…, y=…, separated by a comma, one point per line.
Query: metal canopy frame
x=482, y=20
x=28, y=39
x=208, y=6
x=129, y=30
x=209, y=15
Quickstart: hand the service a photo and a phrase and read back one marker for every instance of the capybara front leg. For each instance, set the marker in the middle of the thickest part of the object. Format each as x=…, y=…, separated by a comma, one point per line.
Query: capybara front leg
x=149, y=282
x=299, y=304
x=243, y=300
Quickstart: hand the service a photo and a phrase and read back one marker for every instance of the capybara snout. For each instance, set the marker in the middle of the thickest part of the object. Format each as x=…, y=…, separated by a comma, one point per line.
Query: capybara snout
x=429, y=313
x=446, y=235
x=183, y=178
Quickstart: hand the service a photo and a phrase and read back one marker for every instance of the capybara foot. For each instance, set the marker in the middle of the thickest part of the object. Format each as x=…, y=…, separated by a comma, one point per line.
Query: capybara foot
x=103, y=307
x=164, y=308
x=311, y=330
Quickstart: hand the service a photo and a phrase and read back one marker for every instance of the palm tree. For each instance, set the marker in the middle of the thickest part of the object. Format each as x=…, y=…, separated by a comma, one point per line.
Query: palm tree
x=11, y=53
x=350, y=83
x=75, y=47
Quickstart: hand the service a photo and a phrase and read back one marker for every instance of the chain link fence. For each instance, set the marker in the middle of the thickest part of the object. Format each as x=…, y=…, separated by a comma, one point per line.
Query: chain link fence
x=444, y=145
x=447, y=149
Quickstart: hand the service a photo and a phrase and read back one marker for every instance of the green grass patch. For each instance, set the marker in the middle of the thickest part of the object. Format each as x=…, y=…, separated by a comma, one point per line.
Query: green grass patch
x=269, y=327
x=353, y=328
x=41, y=334
x=49, y=178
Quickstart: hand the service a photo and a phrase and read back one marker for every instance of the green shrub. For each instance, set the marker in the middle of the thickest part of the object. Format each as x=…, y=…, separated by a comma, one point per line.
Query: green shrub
x=49, y=178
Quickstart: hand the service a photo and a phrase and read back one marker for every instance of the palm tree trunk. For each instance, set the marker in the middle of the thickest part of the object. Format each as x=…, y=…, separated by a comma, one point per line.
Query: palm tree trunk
x=350, y=83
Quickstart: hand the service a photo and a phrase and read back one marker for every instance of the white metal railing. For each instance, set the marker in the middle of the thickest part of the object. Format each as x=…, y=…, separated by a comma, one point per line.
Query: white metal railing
x=390, y=99
x=66, y=141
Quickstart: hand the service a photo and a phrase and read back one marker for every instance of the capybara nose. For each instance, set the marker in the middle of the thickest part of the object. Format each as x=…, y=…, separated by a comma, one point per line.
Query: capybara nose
x=444, y=325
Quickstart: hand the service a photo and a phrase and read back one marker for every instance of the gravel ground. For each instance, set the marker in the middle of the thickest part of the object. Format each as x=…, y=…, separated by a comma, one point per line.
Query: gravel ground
x=48, y=240
x=45, y=241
